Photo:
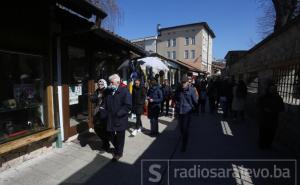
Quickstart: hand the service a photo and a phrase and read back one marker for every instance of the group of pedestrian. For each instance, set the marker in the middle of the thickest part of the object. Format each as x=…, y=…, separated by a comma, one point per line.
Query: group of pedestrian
x=113, y=103
x=225, y=94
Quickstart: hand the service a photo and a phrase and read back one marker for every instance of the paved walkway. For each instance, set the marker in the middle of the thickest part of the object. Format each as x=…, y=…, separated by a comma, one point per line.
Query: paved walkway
x=211, y=137
x=79, y=160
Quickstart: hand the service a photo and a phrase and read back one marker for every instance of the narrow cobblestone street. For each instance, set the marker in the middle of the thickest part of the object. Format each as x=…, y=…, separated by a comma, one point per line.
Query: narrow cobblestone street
x=83, y=164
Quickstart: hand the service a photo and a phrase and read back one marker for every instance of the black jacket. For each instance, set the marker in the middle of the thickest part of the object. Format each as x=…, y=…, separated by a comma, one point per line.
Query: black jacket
x=116, y=109
x=167, y=91
x=138, y=99
x=154, y=93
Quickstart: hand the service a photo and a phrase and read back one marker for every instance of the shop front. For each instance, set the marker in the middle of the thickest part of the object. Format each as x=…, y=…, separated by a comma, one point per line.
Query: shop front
x=50, y=59
x=87, y=57
x=26, y=96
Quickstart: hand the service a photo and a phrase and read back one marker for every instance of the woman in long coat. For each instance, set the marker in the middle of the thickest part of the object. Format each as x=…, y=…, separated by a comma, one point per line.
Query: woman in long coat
x=138, y=100
x=239, y=99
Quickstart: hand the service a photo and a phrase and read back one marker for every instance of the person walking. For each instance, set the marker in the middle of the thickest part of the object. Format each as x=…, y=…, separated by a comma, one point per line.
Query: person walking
x=99, y=123
x=239, y=100
x=186, y=101
x=269, y=106
x=167, y=93
x=154, y=98
x=138, y=101
x=212, y=95
x=117, y=105
x=202, y=96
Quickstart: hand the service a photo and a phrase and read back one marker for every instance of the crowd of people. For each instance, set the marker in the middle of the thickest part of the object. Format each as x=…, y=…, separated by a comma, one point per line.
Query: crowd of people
x=114, y=102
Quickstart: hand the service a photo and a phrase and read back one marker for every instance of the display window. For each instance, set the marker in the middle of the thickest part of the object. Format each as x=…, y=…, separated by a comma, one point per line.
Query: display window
x=21, y=95
x=78, y=87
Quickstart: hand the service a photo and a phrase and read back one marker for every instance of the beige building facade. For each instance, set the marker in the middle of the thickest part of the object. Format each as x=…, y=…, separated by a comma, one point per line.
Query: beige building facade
x=190, y=43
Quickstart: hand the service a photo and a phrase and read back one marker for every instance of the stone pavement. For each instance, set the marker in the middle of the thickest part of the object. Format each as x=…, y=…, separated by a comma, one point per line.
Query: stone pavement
x=79, y=159
x=213, y=142
x=216, y=142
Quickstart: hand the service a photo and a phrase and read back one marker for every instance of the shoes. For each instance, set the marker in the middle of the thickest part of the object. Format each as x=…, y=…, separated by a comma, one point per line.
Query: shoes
x=154, y=134
x=139, y=130
x=116, y=158
x=134, y=132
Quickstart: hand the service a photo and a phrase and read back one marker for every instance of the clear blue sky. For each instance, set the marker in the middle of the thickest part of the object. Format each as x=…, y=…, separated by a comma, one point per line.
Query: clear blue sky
x=233, y=21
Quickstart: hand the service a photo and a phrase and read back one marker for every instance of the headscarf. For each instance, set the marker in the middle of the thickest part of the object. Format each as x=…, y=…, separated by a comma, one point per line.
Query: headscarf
x=102, y=81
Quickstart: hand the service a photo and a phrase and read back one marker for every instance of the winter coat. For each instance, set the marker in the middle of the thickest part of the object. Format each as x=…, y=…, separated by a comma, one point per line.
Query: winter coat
x=154, y=93
x=238, y=103
x=167, y=91
x=186, y=100
x=138, y=99
x=116, y=109
x=269, y=107
x=98, y=100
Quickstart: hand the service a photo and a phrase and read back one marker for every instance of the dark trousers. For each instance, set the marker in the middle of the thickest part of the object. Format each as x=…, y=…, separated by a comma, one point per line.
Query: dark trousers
x=212, y=104
x=166, y=101
x=118, y=139
x=138, y=123
x=103, y=135
x=154, y=124
x=236, y=113
x=201, y=104
x=100, y=130
x=184, y=124
x=267, y=130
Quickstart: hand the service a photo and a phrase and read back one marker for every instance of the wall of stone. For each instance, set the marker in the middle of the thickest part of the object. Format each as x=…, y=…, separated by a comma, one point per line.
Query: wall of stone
x=18, y=156
x=282, y=49
x=278, y=51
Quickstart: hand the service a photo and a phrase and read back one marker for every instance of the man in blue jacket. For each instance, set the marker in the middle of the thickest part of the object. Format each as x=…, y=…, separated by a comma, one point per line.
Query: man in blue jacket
x=117, y=105
x=186, y=102
x=155, y=97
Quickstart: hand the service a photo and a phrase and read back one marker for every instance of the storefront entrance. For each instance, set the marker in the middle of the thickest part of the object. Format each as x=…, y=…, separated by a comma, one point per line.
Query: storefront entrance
x=77, y=91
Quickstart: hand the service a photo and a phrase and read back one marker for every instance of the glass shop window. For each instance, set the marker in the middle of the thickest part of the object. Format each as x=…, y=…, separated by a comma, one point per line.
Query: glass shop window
x=21, y=95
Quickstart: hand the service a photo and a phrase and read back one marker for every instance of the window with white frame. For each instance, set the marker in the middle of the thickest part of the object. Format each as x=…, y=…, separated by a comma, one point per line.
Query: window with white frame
x=187, y=41
x=193, y=40
x=173, y=54
x=174, y=42
x=186, y=54
x=192, y=54
x=169, y=43
x=169, y=54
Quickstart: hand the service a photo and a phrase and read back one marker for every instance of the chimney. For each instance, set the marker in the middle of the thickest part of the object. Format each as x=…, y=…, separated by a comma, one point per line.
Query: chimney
x=158, y=29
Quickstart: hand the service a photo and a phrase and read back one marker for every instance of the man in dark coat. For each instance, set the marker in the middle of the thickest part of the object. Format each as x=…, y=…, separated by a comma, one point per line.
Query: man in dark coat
x=138, y=100
x=186, y=101
x=155, y=97
x=269, y=106
x=117, y=106
x=167, y=92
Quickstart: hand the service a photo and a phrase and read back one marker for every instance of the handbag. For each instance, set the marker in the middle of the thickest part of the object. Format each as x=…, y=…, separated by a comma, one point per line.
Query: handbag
x=96, y=110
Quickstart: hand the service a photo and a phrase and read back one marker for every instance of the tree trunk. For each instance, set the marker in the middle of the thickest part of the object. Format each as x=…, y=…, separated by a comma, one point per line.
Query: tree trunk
x=285, y=10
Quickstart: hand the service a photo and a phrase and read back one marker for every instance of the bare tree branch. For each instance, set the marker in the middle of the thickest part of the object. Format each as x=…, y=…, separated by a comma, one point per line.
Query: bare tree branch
x=115, y=15
x=277, y=13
